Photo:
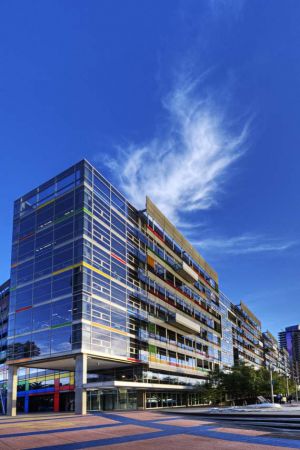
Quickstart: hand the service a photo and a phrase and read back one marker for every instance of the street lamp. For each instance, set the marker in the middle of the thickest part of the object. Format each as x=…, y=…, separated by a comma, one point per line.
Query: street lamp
x=271, y=383
x=297, y=380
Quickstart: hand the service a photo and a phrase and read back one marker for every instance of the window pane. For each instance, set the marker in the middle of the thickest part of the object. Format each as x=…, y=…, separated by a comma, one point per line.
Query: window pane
x=23, y=321
x=62, y=312
x=41, y=317
x=61, y=340
x=41, y=343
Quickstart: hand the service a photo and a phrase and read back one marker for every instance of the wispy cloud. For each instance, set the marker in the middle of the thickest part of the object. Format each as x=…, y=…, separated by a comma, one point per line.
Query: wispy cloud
x=220, y=7
x=244, y=244
x=182, y=168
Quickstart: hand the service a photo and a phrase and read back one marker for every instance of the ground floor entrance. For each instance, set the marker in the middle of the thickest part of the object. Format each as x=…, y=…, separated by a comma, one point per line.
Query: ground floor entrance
x=115, y=399
x=129, y=399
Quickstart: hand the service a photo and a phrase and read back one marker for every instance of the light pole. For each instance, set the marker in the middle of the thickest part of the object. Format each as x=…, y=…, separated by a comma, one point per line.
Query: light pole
x=297, y=380
x=271, y=383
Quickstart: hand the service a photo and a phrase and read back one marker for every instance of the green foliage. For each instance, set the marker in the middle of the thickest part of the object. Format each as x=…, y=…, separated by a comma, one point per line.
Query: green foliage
x=242, y=383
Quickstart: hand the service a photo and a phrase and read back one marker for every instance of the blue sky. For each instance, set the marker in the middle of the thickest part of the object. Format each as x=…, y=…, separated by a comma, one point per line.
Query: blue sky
x=194, y=103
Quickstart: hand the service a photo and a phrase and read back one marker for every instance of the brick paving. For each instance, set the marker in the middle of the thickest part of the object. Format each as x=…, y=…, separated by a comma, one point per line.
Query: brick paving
x=136, y=430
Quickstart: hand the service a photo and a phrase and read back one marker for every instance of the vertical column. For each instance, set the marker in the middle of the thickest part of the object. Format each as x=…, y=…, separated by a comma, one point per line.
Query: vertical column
x=26, y=402
x=12, y=390
x=141, y=400
x=56, y=393
x=80, y=380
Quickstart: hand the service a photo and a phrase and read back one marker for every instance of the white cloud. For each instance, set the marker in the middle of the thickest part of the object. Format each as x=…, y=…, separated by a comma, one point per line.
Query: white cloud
x=182, y=169
x=244, y=244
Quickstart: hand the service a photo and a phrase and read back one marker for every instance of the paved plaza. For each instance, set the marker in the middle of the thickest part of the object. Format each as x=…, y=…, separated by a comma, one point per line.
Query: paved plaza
x=138, y=430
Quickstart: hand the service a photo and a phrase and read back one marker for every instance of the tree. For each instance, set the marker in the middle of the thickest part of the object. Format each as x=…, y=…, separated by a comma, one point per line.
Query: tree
x=242, y=384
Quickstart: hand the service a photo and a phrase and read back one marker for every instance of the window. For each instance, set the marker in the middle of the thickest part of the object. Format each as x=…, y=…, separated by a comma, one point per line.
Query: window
x=61, y=340
x=117, y=246
x=23, y=297
x=65, y=183
x=26, y=248
x=62, y=257
x=46, y=191
x=62, y=284
x=100, y=186
x=44, y=216
x=118, y=201
x=42, y=291
x=61, y=312
x=117, y=224
x=63, y=231
x=27, y=225
x=43, y=265
x=25, y=272
x=118, y=271
x=64, y=205
x=119, y=344
x=40, y=343
x=21, y=347
x=118, y=319
x=23, y=321
x=118, y=296
x=41, y=317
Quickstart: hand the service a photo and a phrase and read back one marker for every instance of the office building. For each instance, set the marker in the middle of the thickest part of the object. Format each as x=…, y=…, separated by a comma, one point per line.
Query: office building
x=109, y=307
x=114, y=295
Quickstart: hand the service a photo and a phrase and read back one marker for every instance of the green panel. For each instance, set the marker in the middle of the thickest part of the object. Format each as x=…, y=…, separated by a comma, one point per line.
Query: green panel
x=151, y=327
x=152, y=348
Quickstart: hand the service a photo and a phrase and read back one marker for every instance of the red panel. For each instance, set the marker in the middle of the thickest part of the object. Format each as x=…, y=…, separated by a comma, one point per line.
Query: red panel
x=68, y=387
x=56, y=402
x=118, y=258
x=154, y=232
x=23, y=309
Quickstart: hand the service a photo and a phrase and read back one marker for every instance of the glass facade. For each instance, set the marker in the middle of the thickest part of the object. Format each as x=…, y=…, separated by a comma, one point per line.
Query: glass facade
x=290, y=343
x=4, y=305
x=227, y=341
x=45, y=275
x=40, y=390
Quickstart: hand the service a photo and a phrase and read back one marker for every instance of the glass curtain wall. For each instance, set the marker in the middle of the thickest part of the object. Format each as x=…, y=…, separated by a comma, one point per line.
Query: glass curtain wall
x=46, y=256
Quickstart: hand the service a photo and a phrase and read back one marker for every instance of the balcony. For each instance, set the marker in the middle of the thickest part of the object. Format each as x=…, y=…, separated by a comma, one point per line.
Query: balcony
x=186, y=272
x=185, y=324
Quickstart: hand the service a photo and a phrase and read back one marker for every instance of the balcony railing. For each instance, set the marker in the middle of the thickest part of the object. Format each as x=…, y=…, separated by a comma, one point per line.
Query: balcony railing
x=187, y=272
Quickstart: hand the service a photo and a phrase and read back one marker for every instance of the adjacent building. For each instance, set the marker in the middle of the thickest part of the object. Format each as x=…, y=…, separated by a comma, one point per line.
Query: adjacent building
x=110, y=307
x=247, y=336
x=4, y=305
x=289, y=340
x=276, y=359
x=227, y=347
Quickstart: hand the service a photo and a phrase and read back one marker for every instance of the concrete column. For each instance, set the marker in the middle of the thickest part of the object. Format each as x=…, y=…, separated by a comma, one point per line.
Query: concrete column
x=80, y=380
x=12, y=382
